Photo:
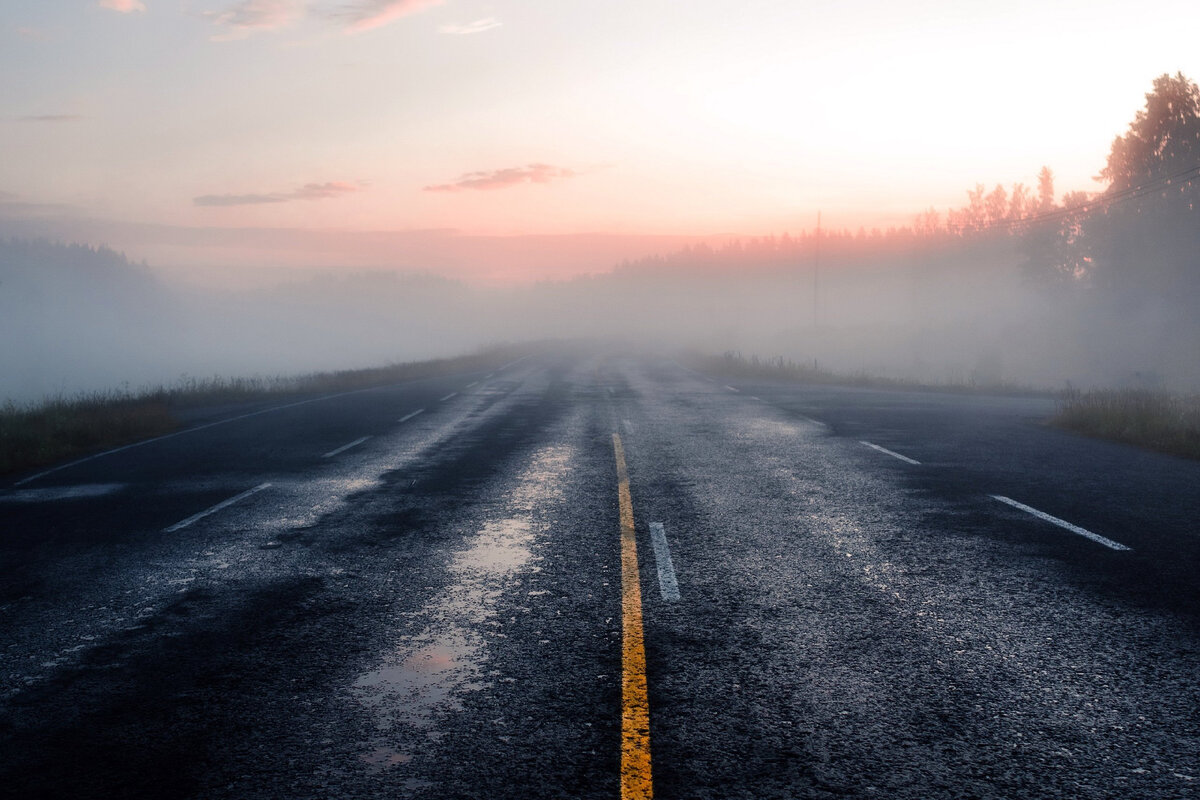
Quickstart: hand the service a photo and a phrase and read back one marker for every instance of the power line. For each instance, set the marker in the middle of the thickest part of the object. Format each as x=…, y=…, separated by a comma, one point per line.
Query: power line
x=1103, y=201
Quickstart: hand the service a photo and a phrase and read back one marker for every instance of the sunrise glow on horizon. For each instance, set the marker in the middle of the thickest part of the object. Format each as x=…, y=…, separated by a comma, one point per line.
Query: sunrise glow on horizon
x=638, y=118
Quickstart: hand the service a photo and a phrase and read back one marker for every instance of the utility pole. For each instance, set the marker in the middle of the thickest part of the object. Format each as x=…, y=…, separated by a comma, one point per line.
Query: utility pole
x=816, y=315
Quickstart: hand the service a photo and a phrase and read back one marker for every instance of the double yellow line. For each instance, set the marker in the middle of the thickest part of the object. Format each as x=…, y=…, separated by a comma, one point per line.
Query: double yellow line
x=636, y=783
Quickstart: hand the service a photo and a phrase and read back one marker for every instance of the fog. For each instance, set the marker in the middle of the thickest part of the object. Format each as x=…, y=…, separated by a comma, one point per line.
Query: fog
x=84, y=319
x=940, y=309
x=1019, y=286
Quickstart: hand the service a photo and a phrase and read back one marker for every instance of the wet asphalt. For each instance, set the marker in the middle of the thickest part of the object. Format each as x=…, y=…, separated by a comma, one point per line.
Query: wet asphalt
x=435, y=611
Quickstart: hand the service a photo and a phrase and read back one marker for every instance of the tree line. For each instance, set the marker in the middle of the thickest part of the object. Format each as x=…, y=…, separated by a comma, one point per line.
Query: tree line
x=1137, y=238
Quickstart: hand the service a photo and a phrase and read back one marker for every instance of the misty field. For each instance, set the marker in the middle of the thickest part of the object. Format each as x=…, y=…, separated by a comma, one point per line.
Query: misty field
x=1169, y=423
x=1163, y=421
x=735, y=365
x=66, y=427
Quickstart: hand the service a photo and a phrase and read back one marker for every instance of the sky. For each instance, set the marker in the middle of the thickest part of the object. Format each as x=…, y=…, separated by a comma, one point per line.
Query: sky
x=508, y=141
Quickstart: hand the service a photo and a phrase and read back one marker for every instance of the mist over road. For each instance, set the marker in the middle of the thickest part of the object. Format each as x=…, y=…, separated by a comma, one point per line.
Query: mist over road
x=418, y=591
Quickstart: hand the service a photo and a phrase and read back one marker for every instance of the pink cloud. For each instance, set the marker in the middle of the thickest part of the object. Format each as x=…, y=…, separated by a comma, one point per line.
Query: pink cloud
x=504, y=178
x=365, y=15
x=249, y=16
x=123, y=6
x=321, y=191
x=238, y=199
x=309, y=191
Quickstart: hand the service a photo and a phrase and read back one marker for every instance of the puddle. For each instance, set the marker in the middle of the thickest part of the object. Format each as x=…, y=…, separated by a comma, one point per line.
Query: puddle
x=426, y=677
x=422, y=681
x=55, y=493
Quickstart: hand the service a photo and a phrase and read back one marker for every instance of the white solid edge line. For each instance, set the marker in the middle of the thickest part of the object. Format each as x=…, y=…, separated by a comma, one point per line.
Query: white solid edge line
x=346, y=447
x=216, y=508
x=891, y=453
x=94, y=456
x=662, y=561
x=1062, y=523
x=730, y=388
x=447, y=397
x=407, y=417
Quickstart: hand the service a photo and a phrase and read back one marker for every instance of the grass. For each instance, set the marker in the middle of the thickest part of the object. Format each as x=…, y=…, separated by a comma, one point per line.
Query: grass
x=62, y=428
x=1168, y=423
x=1161, y=421
x=735, y=365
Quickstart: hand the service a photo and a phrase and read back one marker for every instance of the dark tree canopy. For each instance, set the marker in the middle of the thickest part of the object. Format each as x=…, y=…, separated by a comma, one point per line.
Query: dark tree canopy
x=1146, y=242
x=1163, y=139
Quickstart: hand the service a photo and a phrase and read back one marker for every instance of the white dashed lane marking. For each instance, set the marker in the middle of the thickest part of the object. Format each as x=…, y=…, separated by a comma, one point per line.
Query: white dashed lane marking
x=1062, y=523
x=891, y=453
x=346, y=447
x=662, y=561
x=219, y=506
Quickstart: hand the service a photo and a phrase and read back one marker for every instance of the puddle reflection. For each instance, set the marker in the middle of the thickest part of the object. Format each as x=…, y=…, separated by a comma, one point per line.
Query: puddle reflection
x=427, y=676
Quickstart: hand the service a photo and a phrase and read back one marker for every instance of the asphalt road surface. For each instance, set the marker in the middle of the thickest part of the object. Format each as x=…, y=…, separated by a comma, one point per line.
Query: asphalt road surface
x=429, y=591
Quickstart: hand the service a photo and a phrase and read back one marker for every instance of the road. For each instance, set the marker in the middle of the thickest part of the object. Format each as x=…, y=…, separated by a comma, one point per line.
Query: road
x=430, y=590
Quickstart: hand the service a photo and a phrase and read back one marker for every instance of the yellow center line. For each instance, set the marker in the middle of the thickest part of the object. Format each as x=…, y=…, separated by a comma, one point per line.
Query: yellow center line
x=635, y=703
